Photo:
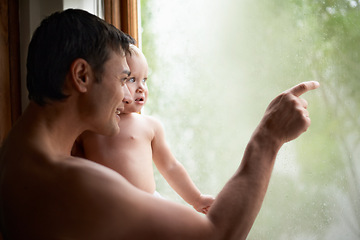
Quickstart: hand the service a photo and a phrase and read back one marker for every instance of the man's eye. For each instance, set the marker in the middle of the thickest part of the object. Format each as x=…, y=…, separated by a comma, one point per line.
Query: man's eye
x=123, y=81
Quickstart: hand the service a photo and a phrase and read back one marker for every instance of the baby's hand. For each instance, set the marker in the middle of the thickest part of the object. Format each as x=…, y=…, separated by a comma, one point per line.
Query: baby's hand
x=204, y=203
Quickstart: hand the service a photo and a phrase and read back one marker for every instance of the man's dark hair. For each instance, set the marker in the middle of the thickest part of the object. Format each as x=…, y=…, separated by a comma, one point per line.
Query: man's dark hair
x=59, y=40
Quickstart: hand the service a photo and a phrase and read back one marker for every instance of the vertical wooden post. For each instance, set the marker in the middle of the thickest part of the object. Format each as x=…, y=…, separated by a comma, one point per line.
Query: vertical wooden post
x=123, y=14
x=10, y=99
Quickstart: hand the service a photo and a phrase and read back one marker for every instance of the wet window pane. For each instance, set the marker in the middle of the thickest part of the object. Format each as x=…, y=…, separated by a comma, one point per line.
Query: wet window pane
x=216, y=65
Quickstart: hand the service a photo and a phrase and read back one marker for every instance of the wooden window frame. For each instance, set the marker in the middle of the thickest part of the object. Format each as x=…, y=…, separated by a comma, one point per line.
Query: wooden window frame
x=123, y=14
x=10, y=93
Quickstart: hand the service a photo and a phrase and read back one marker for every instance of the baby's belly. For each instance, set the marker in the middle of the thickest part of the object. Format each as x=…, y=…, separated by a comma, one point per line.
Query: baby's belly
x=140, y=176
x=139, y=172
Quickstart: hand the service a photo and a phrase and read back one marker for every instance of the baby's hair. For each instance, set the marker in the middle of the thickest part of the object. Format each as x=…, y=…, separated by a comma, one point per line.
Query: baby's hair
x=133, y=49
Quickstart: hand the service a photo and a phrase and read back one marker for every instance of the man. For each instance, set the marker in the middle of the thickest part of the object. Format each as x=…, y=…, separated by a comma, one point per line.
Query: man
x=76, y=81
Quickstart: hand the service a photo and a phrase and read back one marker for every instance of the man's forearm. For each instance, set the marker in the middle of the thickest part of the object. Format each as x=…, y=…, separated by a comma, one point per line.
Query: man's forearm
x=238, y=204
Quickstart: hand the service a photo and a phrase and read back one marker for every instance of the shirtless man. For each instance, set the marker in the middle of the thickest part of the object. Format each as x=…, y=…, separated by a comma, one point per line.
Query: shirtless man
x=140, y=142
x=76, y=80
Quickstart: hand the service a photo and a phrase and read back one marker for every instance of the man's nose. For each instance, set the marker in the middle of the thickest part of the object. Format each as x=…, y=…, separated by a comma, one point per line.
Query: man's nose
x=127, y=96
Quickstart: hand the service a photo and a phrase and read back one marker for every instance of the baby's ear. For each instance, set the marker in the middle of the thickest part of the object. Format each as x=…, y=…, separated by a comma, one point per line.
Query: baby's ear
x=80, y=72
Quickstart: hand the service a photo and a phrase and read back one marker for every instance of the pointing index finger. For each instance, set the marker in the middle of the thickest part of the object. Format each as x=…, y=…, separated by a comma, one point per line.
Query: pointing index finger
x=304, y=87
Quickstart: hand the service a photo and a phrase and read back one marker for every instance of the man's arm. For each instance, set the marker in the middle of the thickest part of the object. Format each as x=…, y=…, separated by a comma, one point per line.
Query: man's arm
x=238, y=204
x=175, y=173
x=117, y=210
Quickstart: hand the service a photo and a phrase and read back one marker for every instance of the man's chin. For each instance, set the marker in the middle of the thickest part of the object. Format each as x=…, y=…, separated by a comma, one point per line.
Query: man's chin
x=112, y=131
x=115, y=132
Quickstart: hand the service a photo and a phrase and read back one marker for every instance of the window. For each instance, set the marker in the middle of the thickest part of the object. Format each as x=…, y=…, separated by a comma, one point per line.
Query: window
x=216, y=65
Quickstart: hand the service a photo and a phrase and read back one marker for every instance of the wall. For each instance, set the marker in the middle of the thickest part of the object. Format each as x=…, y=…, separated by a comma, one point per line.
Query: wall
x=31, y=14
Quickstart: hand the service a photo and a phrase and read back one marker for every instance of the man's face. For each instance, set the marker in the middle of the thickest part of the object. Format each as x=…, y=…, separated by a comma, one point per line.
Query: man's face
x=107, y=96
x=136, y=83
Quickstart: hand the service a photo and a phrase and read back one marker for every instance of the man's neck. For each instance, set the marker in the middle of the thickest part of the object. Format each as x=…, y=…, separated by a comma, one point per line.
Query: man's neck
x=56, y=128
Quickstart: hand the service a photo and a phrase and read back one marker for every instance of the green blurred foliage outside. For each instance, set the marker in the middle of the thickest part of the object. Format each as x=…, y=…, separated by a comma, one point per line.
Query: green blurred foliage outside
x=262, y=48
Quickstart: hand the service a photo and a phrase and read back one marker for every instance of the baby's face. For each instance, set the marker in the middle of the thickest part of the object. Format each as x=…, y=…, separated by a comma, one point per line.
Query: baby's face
x=137, y=82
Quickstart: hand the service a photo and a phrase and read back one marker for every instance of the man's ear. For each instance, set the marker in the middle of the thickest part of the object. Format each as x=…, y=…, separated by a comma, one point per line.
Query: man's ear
x=81, y=73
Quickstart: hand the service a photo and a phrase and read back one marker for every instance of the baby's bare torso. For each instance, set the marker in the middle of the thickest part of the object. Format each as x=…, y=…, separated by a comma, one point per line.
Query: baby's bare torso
x=128, y=153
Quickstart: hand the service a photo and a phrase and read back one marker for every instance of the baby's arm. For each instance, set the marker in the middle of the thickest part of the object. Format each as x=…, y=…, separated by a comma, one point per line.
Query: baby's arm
x=175, y=173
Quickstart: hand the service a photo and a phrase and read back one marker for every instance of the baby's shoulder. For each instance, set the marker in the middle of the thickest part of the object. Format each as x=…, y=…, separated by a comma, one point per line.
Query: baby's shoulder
x=153, y=124
x=152, y=121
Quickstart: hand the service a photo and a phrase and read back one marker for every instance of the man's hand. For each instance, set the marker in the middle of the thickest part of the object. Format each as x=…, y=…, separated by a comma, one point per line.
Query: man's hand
x=287, y=117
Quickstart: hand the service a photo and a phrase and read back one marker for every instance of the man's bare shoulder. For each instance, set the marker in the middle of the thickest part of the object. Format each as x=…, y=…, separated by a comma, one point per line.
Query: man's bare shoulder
x=77, y=167
x=69, y=173
x=67, y=197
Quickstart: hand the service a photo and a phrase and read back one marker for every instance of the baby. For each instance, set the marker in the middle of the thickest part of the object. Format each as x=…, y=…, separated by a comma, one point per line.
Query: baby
x=140, y=142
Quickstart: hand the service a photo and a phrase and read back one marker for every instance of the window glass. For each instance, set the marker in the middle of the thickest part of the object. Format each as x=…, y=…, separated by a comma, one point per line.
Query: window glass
x=214, y=68
x=92, y=6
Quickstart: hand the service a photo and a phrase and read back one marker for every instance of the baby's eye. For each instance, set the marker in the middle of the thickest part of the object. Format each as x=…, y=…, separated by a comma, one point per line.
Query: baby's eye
x=131, y=80
x=144, y=80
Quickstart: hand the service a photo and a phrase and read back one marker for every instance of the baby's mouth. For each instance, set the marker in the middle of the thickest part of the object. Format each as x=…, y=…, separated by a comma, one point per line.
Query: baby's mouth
x=139, y=100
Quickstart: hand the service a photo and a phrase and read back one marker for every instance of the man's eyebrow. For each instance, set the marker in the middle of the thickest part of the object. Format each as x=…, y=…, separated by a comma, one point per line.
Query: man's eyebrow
x=127, y=72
